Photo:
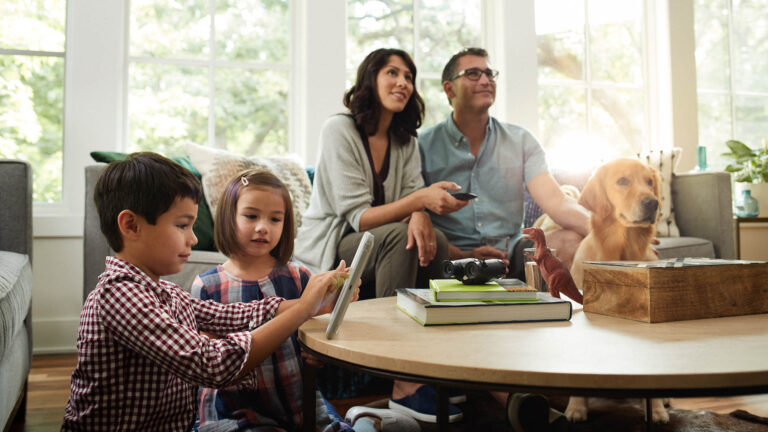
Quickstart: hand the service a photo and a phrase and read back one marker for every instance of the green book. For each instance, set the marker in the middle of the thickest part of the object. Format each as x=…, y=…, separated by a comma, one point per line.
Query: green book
x=419, y=305
x=454, y=290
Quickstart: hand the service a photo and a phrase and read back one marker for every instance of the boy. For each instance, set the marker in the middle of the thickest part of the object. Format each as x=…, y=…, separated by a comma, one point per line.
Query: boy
x=141, y=356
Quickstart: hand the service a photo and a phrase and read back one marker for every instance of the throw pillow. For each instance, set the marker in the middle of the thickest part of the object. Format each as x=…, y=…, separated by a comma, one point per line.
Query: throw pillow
x=219, y=166
x=203, y=227
x=665, y=161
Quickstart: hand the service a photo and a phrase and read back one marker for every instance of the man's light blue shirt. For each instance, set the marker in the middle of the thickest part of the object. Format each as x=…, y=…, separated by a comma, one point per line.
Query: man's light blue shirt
x=508, y=159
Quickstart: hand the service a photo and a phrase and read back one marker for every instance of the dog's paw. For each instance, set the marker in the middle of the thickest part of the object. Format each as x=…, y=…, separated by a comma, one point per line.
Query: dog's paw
x=659, y=413
x=660, y=416
x=576, y=411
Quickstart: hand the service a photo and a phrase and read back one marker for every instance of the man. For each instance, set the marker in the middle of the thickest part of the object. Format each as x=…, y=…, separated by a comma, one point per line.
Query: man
x=495, y=161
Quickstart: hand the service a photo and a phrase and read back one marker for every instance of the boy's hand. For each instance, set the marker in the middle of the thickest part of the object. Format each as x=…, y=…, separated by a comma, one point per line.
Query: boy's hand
x=314, y=299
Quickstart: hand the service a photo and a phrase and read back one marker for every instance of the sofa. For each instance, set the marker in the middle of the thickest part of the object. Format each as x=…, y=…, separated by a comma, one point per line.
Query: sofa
x=15, y=289
x=701, y=202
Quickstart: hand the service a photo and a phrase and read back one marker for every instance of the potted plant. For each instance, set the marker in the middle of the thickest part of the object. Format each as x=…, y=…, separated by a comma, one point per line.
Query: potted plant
x=749, y=168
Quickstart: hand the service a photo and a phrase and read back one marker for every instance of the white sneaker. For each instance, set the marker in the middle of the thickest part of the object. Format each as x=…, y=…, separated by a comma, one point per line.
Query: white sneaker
x=390, y=420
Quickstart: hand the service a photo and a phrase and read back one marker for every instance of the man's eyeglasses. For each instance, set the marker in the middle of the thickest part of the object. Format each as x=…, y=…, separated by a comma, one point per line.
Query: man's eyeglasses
x=474, y=74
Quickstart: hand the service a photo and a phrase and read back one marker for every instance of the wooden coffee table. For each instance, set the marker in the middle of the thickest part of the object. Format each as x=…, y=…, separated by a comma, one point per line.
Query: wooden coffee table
x=591, y=355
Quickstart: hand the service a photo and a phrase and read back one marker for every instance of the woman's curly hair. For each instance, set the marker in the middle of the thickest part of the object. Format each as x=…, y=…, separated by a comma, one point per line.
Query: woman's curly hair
x=362, y=99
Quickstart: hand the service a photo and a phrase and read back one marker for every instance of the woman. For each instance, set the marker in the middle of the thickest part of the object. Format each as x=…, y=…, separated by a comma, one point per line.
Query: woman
x=368, y=178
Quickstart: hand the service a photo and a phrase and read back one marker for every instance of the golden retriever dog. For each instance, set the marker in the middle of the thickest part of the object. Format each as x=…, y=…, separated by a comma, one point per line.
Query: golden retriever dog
x=623, y=196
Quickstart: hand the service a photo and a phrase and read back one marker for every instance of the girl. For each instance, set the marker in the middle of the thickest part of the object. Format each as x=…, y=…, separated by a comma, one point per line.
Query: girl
x=254, y=228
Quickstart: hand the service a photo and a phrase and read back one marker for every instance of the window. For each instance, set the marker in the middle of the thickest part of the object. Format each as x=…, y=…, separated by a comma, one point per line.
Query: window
x=592, y=86
x=731, y=74
x=213, y=72
x=431, y=31
x=32, y=36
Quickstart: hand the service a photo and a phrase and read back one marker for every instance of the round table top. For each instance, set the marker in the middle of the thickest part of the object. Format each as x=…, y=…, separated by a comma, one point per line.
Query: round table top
x=590, y=351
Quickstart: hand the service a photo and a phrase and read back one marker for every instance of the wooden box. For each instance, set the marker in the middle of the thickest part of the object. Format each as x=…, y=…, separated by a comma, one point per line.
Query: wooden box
x=676, y=289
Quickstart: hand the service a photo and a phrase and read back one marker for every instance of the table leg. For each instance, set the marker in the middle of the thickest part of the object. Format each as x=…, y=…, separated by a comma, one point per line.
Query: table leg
x=441, y=400
x=648, y=418
x=308, y=376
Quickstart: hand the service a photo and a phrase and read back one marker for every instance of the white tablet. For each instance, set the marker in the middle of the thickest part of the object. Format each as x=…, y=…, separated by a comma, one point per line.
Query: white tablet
x=347, y=291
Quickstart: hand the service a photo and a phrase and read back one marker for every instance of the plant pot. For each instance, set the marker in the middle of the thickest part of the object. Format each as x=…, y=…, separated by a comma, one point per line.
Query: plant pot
x=759, y=191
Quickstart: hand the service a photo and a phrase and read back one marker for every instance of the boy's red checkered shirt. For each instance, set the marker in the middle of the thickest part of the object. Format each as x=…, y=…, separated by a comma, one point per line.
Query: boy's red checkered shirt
x=141, y=358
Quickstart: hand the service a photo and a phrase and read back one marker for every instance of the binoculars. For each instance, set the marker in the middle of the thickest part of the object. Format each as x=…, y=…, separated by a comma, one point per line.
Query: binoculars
x=473, y=271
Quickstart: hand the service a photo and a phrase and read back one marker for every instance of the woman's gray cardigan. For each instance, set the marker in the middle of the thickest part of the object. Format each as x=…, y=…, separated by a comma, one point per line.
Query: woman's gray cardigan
x=343, y=189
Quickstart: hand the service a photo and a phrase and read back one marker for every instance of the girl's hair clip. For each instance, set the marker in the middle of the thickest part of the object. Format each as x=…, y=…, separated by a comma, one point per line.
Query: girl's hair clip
x=244, y=181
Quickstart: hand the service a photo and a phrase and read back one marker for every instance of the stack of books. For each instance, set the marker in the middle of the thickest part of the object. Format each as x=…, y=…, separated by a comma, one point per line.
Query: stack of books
x=448, y=301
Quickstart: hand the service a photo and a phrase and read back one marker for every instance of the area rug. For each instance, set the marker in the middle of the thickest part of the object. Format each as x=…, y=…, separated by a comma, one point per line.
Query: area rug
x=482, y=413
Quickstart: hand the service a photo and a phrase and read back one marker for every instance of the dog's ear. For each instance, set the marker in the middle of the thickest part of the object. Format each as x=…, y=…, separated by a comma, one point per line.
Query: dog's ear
x=593, y=197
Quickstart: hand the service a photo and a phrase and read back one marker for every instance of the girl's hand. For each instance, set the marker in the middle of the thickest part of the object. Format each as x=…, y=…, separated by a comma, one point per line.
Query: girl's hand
x=312, y=360
x=330, y=300
x=438, y=200
x=319, y=287
x=421, y=232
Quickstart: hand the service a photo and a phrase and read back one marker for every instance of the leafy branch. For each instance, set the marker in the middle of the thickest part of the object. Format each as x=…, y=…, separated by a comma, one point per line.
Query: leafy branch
x=748, y=166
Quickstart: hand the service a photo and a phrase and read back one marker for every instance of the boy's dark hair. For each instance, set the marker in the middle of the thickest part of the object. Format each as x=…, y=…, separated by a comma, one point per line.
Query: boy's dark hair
x=449, y=71
x=145, y=183
x=362, y=99
x=225, y=223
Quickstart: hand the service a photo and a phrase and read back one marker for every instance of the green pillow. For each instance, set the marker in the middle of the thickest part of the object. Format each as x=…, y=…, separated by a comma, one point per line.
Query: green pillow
x=203, y=227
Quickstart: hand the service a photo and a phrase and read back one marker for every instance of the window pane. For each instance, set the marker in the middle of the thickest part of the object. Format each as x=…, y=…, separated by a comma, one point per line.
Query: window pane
x=437, y=107
x=445, y=27
x=33, y=26
x=751, y=118
x=715, y=127
x=252, y=30
x=618, y=118
x=178, y=29
x=712, y=61
x=377, y=24
x=31, y=107
x=252, y=111
x=616, y=41
x=560, y=39
x=562, y=117
x=168, y=106
x=750, y=39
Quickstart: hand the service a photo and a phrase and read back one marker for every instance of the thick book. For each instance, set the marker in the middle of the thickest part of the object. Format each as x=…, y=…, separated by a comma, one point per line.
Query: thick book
x=417, y=304
x=454, y=290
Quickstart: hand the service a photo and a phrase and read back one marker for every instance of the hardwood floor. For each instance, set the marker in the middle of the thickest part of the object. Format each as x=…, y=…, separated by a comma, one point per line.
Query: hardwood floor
x=49, y=390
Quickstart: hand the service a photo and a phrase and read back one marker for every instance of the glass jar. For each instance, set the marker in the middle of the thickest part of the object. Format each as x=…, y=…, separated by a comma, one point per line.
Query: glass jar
x=746, y=205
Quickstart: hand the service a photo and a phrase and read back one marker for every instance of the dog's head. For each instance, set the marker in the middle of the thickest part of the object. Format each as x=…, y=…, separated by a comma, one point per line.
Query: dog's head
x=626, y=190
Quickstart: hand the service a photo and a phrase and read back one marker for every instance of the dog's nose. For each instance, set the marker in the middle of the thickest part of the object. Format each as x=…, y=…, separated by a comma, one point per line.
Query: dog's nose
x=650, y=205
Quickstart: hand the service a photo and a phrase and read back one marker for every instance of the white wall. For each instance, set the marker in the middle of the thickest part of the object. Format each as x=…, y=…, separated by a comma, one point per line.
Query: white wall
x=57, y=267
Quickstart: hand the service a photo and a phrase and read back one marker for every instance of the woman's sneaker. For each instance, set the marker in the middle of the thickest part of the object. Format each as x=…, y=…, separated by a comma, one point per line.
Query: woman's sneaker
x=421, y=406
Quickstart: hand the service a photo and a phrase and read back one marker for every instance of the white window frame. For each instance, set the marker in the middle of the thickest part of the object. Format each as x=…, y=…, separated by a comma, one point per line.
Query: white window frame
x=96, y=79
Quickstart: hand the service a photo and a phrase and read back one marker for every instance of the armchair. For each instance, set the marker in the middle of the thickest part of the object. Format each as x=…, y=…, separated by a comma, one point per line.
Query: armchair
x=15, y=288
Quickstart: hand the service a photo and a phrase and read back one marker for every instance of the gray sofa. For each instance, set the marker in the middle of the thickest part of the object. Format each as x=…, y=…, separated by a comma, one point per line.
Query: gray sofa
x=702, y=204
x=15, y=289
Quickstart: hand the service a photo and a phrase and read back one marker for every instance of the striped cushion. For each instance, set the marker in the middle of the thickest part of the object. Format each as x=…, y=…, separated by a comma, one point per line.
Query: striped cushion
x=665, y=161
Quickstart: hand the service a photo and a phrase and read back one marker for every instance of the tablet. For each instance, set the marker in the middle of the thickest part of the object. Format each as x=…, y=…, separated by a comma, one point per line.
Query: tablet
x=347, y=291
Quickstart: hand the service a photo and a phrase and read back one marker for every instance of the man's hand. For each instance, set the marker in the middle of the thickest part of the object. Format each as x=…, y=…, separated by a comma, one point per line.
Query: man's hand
x=437, y=199
x=482, y=252
x=421, y=233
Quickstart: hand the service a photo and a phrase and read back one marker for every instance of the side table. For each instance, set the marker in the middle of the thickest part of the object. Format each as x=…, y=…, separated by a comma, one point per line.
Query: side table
x=757, y=222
